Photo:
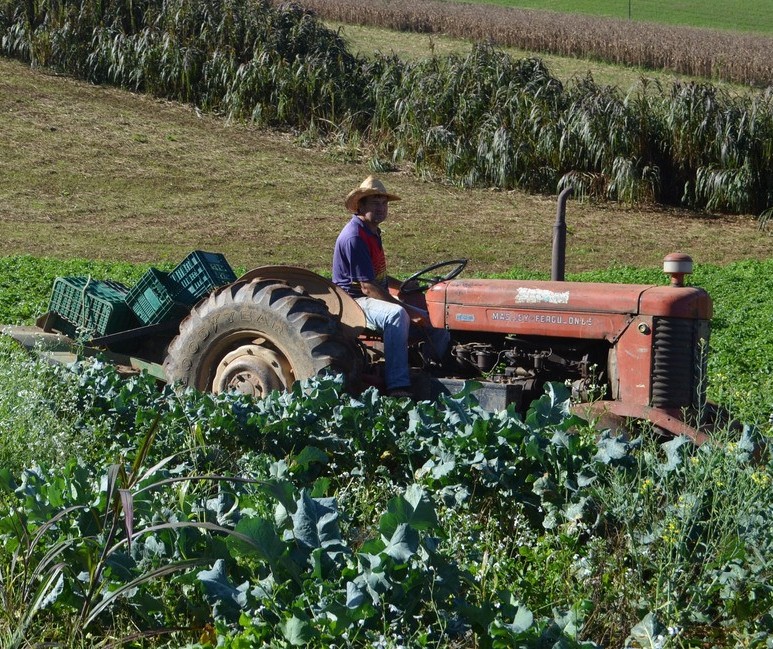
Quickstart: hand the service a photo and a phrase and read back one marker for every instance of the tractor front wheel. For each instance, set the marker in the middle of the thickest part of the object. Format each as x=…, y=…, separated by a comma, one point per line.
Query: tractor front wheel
x=257, y=337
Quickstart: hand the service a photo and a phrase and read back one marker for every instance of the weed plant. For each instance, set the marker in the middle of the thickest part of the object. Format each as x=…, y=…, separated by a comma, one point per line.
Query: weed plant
x=39, y=411
x=689, y=523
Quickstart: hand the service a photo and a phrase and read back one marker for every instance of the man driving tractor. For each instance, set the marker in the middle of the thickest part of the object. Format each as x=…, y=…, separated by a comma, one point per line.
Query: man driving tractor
x=360, y=268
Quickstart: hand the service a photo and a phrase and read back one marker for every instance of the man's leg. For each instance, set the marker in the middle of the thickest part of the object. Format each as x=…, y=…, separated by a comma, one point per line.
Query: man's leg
x=438, y=338
x=393, y=321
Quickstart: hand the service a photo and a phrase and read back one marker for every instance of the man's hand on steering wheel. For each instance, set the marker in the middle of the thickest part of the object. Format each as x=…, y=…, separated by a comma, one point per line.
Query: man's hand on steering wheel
x=411, y=286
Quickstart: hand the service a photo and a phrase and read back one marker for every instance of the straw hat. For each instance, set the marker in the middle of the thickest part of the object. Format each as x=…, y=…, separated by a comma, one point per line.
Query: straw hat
x=371, y=186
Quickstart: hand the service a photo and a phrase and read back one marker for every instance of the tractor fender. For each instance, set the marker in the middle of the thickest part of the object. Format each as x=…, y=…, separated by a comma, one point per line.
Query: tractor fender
x=341, y=305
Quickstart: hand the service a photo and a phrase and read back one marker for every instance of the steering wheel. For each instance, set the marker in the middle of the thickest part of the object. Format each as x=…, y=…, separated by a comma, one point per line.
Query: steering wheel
x=423, y=283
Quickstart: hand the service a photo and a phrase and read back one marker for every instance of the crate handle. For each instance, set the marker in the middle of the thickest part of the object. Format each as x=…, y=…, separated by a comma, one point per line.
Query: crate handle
x=82, y=315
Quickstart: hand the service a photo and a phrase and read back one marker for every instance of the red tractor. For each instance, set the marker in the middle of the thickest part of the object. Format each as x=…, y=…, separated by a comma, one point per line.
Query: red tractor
x=628, y=351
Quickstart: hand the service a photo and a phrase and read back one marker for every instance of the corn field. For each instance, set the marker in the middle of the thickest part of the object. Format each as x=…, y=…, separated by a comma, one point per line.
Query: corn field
x=484, y=119
x=730, y=56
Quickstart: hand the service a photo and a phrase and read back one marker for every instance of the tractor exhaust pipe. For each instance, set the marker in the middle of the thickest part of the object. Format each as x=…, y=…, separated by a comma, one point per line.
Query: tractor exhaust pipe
x=558, y=263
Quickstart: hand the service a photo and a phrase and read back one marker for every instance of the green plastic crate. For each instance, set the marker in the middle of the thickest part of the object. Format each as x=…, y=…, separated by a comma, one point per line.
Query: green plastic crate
x=154, y=298
x=199, y=273
x=91, y=308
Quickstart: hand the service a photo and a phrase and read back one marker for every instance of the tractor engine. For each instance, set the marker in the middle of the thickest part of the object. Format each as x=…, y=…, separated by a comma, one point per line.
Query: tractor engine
x=515, y=360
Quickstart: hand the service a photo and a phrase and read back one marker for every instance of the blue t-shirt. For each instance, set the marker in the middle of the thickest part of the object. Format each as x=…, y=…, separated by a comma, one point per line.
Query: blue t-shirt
x=358, y=257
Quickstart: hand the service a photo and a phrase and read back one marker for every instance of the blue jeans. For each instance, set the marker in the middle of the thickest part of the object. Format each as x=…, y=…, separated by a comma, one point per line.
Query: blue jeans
x=393, y=321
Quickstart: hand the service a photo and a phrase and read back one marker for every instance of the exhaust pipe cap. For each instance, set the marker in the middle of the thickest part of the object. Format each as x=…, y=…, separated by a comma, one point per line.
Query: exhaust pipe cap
x=677, y=265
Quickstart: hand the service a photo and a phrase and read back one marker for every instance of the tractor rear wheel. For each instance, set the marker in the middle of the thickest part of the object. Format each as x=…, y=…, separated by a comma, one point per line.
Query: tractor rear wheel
x=257, y=337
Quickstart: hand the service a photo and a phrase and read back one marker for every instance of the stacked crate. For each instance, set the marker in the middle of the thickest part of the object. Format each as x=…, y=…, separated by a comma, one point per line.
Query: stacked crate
x=90, y=308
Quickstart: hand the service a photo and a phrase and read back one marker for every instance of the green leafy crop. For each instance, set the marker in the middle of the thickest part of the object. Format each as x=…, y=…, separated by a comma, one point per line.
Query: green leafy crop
x=313, y=518
x=317, y=518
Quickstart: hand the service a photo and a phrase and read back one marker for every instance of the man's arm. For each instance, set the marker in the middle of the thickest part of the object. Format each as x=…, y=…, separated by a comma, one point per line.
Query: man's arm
x=376, y=291
x=397, y=284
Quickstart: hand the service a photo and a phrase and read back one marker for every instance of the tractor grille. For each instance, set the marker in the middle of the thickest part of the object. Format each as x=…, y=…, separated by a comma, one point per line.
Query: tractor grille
x=679, y=362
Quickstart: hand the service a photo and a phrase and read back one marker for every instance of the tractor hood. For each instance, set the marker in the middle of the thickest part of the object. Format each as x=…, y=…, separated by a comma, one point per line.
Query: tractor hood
x=569, y=297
